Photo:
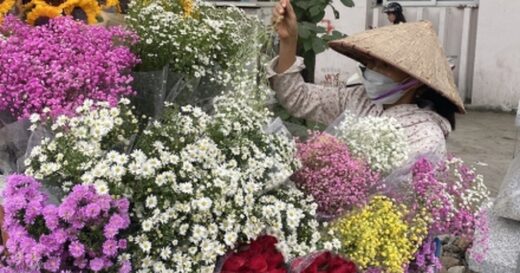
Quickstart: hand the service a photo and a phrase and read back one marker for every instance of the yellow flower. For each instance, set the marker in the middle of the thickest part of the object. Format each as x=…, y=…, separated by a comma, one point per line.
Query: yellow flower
x=187, y=7
x=85, y=10
x=378, y=235
x=41, y=14
x=6, y=6
x=54, y=3
x=104, y=4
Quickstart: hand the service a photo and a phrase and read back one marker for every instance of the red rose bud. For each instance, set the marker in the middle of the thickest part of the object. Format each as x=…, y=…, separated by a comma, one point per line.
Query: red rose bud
x=346, y=268
x=275, y=259
x=258, y=263
x=234, y=263
x=278, y=270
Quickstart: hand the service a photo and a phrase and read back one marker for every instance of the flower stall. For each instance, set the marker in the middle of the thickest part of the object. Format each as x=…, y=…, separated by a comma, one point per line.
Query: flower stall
x=148, y=147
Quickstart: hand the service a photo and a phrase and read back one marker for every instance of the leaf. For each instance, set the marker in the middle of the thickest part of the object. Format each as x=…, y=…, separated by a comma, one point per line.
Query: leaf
x=307, y=45
x=335, y=11
x=315, y=11
x=318, y=45
x=304, y=4
x=303, y=31
x=316, y=19
x=348, y=3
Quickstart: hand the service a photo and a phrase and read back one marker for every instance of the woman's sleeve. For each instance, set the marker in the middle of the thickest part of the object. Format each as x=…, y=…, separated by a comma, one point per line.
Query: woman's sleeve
x=428, y=139
x=304, y=100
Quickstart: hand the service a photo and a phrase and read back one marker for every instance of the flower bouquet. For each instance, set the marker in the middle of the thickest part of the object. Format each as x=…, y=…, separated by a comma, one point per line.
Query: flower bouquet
x=199, y=185
x=378, y=140
x=203, y=47
x=69, y=62
x=382, y=235
x=40, y=12
x=455, y=199
x=259, y=256
x=82, y=233
x=337, y=181
x=325, y=262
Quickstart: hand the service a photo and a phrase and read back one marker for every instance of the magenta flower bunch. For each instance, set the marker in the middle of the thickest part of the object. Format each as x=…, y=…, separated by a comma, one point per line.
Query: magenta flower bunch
x=452, y=194
x=82, y=234
x=330, y=173
x=425, y=260
x=50, y=70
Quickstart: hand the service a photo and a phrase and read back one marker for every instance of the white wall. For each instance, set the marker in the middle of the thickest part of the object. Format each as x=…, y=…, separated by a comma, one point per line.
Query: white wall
x=331, y=67
x=497, y=59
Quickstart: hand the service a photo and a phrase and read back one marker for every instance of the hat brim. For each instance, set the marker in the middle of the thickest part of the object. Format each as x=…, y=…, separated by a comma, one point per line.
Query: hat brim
x=363, y=56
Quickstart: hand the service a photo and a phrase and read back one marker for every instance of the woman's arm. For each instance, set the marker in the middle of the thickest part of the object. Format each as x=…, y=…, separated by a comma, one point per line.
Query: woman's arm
x=301, y=99
x=309, y=101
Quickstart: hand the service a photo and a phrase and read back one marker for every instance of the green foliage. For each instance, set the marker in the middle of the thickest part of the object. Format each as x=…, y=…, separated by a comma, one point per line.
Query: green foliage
x=313, y=39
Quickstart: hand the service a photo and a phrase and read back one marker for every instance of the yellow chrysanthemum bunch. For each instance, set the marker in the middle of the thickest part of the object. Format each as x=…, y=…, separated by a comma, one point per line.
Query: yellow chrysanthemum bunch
x=379, y=235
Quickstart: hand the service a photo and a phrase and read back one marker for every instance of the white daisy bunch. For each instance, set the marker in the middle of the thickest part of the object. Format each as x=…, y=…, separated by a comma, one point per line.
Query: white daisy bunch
x=378, y=140
x=203, y=42
x=198, y=184
x=80, y=142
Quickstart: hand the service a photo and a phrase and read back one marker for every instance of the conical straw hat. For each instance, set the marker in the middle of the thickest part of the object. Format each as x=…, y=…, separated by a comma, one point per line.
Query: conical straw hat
x=411, y=47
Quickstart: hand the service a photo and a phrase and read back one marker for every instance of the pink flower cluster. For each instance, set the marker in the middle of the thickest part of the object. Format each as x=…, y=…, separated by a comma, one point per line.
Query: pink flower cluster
x=336, y=179
x=82, y=233
x=59, y=65
x=443, y=195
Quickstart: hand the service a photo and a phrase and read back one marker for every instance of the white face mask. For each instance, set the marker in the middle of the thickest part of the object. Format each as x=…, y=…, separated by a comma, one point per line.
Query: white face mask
x=382, y=89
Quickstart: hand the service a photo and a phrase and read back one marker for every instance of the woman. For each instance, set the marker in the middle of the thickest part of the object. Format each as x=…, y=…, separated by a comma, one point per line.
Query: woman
x=394, y=12
x=405, y=75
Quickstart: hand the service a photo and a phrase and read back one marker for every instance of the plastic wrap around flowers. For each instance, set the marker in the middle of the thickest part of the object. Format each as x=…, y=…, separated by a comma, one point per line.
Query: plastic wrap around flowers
x=200, y=185
x=50, y=70
x=337, y=181
x=82, y=233
x=378, y=140
x=381, y=235
x=452, y=193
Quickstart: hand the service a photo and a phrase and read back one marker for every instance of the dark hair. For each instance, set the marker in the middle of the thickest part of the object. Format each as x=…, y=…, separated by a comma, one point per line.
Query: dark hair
x=399, y=18
x=427, y=97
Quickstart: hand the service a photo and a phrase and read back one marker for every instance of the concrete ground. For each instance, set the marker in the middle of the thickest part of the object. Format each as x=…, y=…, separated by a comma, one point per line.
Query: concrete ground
x=487, y=139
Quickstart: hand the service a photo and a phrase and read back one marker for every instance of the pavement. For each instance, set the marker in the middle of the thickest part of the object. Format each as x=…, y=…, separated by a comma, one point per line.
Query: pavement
x=487, y=139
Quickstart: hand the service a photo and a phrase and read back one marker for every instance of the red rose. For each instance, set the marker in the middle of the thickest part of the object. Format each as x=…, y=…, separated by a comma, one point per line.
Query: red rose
x=263, y=243
x=258, y=263
x=328, y=263
x=278, y=270
x=345, y=268
x=275, y=259
x=234, y=263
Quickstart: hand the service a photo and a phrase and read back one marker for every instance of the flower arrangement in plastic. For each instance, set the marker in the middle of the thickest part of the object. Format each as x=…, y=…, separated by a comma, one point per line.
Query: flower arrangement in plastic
x=69, y=62
x=194, y=38
x=381, y=235
x=452, y=193
x=378, y=140
x=200, y=184
x=337, y=181
x=83, y=233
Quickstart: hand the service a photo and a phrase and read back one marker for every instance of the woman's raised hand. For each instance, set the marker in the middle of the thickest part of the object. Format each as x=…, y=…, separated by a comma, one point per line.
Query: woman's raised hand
x=284, y=20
